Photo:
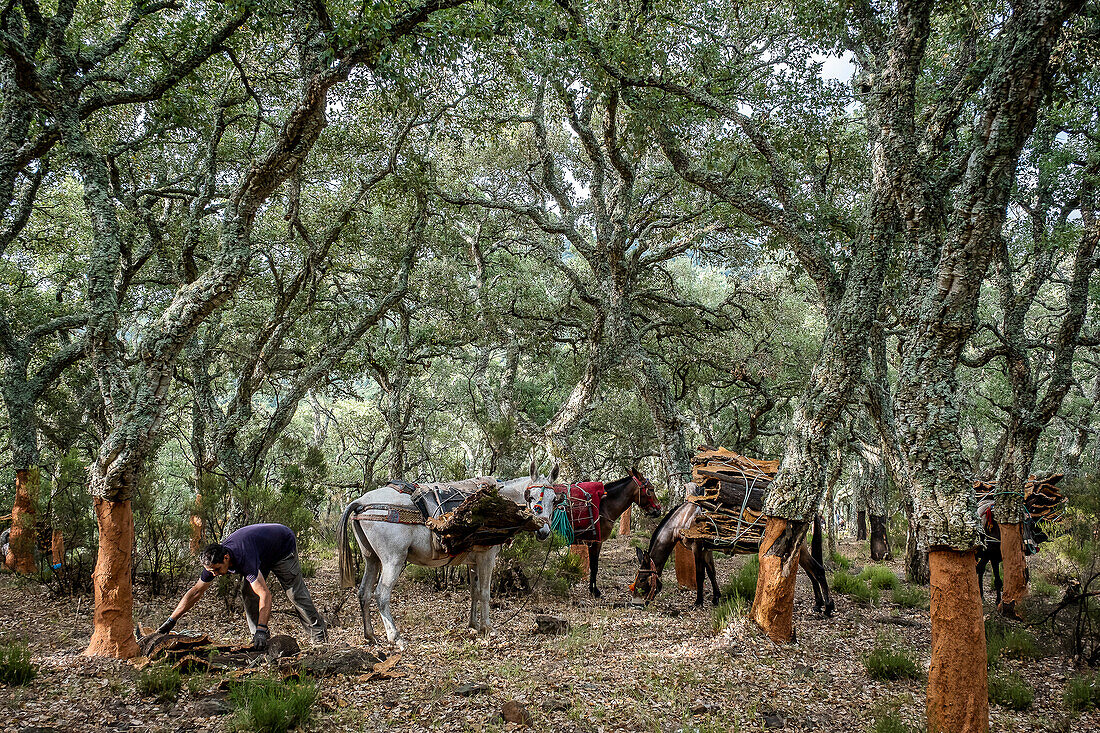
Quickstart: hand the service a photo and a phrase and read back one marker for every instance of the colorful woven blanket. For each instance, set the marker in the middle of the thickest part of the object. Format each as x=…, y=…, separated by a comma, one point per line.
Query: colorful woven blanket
x=583, y=509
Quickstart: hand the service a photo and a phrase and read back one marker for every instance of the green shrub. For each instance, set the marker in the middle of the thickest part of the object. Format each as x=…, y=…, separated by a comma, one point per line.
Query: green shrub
x=879, y=577
x=888, y=661
x=271, y=705
x=1010, y=691
x=910, y=596
x=852, y=586
x=842, y=562
x=15, y=665
x=160, y=682
x=1083, y=692
x=309, y=567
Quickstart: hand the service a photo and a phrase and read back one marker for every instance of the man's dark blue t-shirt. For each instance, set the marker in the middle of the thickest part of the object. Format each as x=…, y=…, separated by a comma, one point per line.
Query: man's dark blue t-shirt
x=255, y=549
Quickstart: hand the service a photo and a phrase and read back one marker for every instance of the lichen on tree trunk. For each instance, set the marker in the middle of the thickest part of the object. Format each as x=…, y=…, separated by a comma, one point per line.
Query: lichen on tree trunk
x=113, y=632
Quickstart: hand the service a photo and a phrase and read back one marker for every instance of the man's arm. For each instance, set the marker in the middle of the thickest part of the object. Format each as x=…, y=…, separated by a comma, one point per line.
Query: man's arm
x=262, y=635
x=260, y=586
x=190, y=598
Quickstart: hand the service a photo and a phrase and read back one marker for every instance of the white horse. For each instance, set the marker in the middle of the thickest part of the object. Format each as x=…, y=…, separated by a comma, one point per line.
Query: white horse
x=387, y=544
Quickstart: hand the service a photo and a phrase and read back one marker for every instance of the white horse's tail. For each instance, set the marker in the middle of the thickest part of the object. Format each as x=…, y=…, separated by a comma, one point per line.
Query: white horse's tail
x=348, y=570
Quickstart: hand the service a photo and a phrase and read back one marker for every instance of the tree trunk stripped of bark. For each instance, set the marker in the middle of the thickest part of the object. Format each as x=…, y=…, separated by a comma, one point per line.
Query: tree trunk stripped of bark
x=1015, y=568
x=773, y=607
x=20, y=557
x=57, y=548
x=685, y=567
x=957, y=696
x=113, y=633
x=624, y=523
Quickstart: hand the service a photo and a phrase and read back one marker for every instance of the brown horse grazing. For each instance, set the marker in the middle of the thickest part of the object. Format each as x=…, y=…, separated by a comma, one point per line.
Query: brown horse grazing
x=634, y=489
x=647, y=583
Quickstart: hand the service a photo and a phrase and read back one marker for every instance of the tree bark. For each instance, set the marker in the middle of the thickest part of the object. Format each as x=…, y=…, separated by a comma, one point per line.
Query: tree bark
x=773, y=606
x=957, y=698
x=113, y=633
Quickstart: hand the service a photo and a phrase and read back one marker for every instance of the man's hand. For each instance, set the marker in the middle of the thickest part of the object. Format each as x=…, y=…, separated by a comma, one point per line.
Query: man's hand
x=167, y=626
x=260, y=638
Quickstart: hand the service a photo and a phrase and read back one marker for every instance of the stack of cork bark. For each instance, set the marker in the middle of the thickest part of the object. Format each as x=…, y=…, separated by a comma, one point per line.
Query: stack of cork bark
x=484, y=519
x=1043, y=498
x=730, y=491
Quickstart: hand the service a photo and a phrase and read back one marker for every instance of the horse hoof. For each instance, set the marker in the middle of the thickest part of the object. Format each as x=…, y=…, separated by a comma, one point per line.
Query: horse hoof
x=595, y=592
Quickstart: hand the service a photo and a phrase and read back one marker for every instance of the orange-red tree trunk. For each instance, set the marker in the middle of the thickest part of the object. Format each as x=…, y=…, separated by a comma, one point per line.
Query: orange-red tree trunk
x=624, y=523
x=1015, y=568
x=113, y=623
x=20, y=557
x=773, y=607
x=957, y=692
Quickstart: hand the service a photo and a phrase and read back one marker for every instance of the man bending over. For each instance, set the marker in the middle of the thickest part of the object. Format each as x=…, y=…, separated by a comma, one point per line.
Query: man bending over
x=254, y=552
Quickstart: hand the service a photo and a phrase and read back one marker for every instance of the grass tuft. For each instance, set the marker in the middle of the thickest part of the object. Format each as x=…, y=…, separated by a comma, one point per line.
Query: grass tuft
x=910, y=596
x=890, y=723
x=271, y=705
x=841, y=562
x=16, y=667
x=1083, y=692
x=879, y=577
x=889, y=661
x=1003, y=640
x=160, y=682
x=1010, y=691
x=852, y=586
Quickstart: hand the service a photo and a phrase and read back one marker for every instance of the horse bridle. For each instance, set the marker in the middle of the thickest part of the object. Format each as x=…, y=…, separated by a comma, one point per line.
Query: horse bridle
x=647, y=491
x=558, y=496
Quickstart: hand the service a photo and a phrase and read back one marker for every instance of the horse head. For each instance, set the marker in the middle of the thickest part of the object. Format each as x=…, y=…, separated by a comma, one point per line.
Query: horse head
x=1033, y=535
x=647, y=495
x=542, y=499
x=647, y=581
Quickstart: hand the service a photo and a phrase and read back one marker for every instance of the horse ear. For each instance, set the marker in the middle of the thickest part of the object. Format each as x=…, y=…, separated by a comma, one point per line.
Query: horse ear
x=554, y=473
x=641, y=555
x=534, y=471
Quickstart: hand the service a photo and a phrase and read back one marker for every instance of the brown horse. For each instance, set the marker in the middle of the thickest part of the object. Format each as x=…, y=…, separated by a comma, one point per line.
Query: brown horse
x=633, y=489
x=647, y=583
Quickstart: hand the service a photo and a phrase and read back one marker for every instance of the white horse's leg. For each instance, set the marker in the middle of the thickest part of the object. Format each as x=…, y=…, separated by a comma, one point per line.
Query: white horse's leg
x=371, y=570
x=391, y=570
x=472, y=576
x=486, y=561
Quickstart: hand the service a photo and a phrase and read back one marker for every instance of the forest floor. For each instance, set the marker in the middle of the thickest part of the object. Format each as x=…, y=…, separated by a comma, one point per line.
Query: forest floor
x=661, y=668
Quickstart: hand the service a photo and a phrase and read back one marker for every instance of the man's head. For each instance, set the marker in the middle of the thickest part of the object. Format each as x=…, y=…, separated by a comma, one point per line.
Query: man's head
x=215, y=558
